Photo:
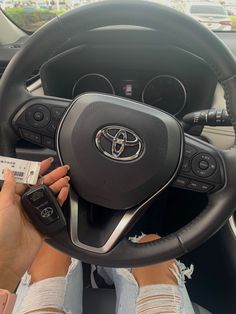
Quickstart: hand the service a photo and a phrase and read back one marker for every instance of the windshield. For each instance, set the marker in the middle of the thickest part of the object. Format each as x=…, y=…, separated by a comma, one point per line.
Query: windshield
x=32, y=14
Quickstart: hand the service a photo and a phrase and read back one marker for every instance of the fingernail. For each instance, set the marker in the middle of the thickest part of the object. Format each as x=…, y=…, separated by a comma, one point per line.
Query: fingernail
x=68, y=178
x=51, y=159
x=7, y=173
x=67, y=166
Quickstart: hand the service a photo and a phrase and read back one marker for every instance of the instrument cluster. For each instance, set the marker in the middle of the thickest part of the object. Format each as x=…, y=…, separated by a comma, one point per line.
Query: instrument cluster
x=163, y=91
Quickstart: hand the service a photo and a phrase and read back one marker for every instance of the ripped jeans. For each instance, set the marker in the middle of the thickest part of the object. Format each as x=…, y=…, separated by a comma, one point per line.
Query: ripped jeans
x=65, y=293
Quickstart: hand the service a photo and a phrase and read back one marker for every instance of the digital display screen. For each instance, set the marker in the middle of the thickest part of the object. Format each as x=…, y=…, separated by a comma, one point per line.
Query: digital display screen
x=127, y=88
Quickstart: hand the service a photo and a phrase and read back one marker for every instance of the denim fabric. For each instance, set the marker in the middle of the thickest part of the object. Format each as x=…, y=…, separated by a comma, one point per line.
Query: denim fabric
x=70, y=303
x=127, y=291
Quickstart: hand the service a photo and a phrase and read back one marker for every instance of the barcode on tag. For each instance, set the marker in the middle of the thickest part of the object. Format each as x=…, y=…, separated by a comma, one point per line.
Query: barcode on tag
x=25, y=171
x=17, y=173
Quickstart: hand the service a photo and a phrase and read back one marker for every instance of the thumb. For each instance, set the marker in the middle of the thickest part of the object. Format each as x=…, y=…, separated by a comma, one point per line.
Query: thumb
x=9, y=185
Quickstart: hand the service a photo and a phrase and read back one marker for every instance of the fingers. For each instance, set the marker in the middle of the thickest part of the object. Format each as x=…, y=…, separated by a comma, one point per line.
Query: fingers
x=20, y=188
x=56, y=179
x=62, y=196
x=45, y=165
x=55, y=175
x=58, y=185
x=9, y=185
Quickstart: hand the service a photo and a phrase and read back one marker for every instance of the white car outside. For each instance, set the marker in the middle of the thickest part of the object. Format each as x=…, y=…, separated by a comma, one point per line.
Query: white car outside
x=211, y=15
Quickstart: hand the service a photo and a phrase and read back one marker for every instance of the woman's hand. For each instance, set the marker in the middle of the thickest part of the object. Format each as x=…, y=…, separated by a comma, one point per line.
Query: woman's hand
x=19, y=240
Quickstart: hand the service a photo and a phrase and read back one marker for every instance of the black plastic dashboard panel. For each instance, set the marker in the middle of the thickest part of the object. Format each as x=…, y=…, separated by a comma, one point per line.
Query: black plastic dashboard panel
x=131, y=63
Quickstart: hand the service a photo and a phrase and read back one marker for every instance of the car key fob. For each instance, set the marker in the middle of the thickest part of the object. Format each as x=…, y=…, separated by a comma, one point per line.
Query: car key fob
x=43, y=209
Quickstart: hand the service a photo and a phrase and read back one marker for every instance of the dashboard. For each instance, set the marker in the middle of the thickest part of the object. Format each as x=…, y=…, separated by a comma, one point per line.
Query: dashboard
x=168, y=78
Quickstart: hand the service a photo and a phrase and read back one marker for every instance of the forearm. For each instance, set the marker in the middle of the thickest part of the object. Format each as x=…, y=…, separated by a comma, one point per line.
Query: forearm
x=8, y=279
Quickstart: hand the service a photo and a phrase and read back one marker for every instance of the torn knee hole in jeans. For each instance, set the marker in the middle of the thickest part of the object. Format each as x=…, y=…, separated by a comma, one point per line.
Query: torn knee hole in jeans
x=178, y=269
x=163, y=298
x=180, y=272
x=46, y=294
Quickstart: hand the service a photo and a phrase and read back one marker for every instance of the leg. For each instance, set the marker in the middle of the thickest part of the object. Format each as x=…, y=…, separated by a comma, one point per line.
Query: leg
x=154, y=274
x=152, y=289
x=54, y=284
x=162, y=286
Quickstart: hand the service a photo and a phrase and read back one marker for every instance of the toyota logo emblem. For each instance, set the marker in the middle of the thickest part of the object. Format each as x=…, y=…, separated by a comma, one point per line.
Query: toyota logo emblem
x=119, y=143
x=46, y=212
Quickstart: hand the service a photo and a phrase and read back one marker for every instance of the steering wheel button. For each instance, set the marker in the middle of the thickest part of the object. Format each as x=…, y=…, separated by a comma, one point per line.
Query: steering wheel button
x=199, y=186
x=31, y=136
x=205, y=187
x=35, y=124
x=186, y=165
x=57, y=112
x=193, y=185
x=48, y=142
x=52, y=127
x=38, y=115
x=181, y=181
x=189, y=151
x=28, y=114
x=203, y=165
x=206, y=157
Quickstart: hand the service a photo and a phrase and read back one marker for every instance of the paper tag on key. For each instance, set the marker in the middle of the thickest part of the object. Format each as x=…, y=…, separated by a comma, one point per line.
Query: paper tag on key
x=25, y=171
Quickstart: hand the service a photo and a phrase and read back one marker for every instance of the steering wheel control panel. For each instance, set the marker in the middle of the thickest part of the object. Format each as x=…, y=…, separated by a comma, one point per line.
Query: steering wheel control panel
x=37, y=122
x=201, y=168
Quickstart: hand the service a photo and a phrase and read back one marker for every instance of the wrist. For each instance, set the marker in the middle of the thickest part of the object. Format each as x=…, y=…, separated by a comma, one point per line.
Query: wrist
x=8, y=279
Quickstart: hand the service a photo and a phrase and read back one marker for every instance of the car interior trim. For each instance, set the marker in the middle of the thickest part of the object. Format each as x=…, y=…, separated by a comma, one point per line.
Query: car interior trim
x=35, y=86
x=232, y=225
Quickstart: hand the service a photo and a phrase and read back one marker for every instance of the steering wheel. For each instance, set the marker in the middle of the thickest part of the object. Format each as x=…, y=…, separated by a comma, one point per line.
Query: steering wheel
x=122, y=153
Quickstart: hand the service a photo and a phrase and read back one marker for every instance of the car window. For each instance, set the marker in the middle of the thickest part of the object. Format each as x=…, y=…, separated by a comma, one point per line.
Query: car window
x=32, y=14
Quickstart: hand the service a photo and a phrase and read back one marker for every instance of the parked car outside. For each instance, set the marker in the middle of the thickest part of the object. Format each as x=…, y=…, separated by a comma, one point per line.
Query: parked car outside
x=211, y=15
x=6, y=4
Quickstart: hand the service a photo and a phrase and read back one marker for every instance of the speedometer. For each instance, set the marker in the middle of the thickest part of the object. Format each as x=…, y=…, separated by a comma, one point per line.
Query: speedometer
x=92, y=82
x=165, y=92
